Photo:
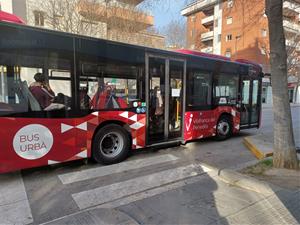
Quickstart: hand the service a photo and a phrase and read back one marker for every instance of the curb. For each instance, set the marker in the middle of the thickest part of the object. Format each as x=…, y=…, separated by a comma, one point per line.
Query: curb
x=255, y=150
x=237, y=179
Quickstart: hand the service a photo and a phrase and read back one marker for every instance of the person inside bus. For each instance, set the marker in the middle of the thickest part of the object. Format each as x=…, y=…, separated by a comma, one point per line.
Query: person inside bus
x=41, y=90
x=59, y=102
x=107, y=99
x=85, y=100
x=156, y=109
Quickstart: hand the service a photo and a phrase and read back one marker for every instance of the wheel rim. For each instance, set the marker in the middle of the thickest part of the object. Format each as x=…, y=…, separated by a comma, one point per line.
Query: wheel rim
x=223, y=128
x=111, y=144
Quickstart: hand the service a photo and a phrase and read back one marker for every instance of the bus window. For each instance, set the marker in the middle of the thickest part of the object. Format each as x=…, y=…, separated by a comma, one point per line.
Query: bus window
x=112, y=86
x=199, y=87
x=21, y=92
x=13, y=92
x=225, y=89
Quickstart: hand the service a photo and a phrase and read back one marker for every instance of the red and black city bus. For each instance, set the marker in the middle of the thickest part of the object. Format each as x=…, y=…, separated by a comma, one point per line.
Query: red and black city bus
x=112, y=98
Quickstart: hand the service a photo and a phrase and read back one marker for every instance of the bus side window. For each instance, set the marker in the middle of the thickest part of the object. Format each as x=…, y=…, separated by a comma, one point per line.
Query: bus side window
x=199, y=87
x=108, y=86
x=225, y=89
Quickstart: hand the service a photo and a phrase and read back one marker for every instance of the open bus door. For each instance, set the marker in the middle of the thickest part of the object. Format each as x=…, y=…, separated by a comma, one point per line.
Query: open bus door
x=250, y=105
x=165, y=98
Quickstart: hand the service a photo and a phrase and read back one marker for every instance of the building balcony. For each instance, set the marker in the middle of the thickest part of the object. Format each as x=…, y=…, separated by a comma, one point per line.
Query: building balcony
x=197, y=6
x=292, y=44
x=208, y=20
x=291, y=8
x=131, y=2
x=116, y=16
x=291, y=26
x=207, y=49
x=207, y=36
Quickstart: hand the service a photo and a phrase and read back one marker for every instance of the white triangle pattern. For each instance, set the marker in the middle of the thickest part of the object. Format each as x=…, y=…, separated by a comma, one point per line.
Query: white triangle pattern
x=134, y=118
x=124, y=114
x=65, y=127
x=136, y=125
x=134, y=141
x=82, y=126
x=95, y=113
x=82, y=154
x=233, y=112
x=51, y=162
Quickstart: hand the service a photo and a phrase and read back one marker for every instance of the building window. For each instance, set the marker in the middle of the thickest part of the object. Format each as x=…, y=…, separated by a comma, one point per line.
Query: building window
x=228, y=37
x=219, y=37
x=229, y=3
x=193, y=18
x=264, y=33
x=228, y=53
x=229, y=20
x=39, y=18
x=263, y=50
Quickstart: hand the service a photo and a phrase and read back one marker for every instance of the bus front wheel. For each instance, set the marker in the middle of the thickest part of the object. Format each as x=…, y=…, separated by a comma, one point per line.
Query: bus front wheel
x=111, y=144
x=224, y=128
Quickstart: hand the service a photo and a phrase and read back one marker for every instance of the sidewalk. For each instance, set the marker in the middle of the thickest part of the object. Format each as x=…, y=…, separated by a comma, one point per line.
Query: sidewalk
x=212, y=198
x=261, y=145
x=265, y=105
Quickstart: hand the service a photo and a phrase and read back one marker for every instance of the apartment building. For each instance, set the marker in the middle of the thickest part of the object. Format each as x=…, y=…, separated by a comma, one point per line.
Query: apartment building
x=118, y=20
x=239, y=29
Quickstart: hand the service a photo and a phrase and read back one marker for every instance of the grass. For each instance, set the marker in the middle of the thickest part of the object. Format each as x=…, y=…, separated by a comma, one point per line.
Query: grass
x=259, y=168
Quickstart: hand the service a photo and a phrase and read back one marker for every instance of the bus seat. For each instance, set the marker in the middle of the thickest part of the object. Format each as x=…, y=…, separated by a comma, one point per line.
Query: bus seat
x=4, y=107
x=34, y=105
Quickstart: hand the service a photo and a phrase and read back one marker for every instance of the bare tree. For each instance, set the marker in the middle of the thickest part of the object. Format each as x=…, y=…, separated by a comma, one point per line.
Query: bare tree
x=107, y=19
x=65, y=15
x=175, y=32
x=284, y=145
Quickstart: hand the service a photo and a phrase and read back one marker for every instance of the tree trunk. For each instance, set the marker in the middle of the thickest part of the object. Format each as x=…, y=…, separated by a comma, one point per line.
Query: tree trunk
x=284, y=145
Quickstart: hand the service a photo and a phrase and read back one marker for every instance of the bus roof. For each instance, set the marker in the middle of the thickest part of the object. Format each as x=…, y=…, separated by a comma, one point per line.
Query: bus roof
x=207, y=55
x=7, y=17
x=16, y=21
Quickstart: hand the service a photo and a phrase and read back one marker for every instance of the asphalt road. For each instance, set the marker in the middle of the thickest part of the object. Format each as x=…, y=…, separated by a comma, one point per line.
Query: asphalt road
x=151, y=186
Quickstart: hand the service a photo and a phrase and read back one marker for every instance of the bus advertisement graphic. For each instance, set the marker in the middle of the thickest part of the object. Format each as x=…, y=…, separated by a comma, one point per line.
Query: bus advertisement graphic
x=33, y=141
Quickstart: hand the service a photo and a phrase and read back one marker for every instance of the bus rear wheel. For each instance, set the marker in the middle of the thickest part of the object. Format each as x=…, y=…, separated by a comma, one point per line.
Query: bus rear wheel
x=224, y=128
x=111, y=144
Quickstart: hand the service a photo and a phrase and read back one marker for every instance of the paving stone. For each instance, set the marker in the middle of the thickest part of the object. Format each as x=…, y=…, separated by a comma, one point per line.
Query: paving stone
x=16, y=213
x=272, y=210
x=96, y=217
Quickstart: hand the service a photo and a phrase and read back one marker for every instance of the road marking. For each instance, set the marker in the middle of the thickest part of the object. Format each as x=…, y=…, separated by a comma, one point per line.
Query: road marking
x=117, y=168
x=13, y=200
x=156, y=191
x=105, y=194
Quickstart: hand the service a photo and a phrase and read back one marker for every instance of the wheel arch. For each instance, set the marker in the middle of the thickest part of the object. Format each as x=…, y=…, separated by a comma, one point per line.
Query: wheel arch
x=107, y=122
x=225, y=114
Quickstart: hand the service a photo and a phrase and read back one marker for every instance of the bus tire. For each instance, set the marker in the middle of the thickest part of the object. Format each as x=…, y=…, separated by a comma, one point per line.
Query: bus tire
x=111, y=144
x=224, y=128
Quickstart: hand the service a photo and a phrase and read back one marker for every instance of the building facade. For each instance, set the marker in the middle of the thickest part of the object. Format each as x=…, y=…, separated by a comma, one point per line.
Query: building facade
x=239, y=29
x=117, y=20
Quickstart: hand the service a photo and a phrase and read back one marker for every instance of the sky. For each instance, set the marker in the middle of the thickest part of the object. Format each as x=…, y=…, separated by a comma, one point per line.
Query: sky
x=166, y=10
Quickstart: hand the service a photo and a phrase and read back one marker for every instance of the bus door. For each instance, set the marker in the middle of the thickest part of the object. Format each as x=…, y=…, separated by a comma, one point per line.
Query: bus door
x=250, y=102
x=165, y=98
